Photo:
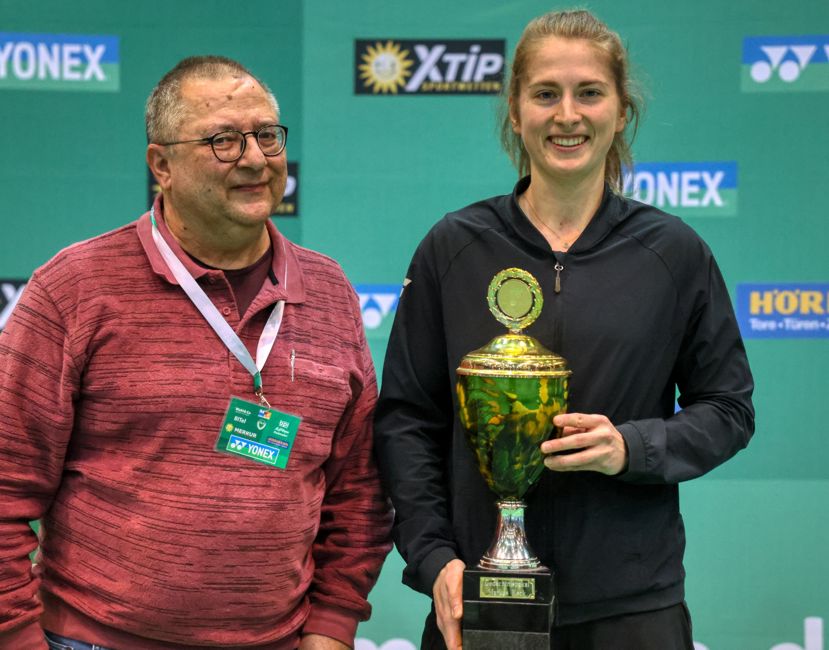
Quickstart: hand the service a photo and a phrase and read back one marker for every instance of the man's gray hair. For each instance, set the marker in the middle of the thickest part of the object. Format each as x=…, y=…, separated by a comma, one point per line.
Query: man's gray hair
x=165, y=110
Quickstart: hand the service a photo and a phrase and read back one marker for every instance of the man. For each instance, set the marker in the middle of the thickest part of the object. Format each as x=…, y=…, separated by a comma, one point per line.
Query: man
x=199, y=485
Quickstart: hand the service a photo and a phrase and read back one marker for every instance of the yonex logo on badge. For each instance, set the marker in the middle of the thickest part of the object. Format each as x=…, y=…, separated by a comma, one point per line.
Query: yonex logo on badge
x=699, y=189
x=59, y=62
x=428, y=67
x=785, y=63
x=377, y=301
x=255, y=450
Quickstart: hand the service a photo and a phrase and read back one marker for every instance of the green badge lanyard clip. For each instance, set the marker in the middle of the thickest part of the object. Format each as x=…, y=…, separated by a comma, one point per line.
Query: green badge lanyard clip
x=216, y=320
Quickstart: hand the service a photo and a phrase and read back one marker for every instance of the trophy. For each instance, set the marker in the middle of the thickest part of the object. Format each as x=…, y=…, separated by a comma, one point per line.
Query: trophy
x=509, y=391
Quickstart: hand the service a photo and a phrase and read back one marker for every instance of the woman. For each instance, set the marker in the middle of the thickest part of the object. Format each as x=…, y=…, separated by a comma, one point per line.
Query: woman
x=636, y=304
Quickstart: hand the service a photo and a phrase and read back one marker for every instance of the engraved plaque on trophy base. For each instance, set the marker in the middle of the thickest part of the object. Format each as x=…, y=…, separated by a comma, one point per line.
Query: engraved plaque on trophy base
x=507, y=610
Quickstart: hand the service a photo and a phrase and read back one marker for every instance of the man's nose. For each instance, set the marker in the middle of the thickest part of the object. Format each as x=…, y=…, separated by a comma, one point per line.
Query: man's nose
x=252, y=155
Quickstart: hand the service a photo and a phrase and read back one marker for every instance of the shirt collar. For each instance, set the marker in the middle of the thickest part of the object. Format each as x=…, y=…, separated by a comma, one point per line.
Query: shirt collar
x=289, y=286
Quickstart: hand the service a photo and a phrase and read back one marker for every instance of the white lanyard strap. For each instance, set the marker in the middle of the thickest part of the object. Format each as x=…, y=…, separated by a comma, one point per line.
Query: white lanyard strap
x=215, y=319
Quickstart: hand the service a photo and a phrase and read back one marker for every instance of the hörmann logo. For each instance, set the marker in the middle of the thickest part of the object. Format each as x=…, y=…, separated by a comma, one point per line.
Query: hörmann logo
x=428, y=67
x=59, y=62
x=377, y=302
x=691, y=189
x=785, y=63
x=783, y=310
x=10, y=292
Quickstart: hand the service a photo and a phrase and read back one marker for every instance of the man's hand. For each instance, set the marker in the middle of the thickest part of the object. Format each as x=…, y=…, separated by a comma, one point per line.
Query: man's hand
x=320, y=642
x=448, y=596
x=598, y=446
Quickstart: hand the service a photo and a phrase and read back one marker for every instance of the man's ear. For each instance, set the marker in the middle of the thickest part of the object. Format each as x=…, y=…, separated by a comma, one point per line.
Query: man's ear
x=158, y=160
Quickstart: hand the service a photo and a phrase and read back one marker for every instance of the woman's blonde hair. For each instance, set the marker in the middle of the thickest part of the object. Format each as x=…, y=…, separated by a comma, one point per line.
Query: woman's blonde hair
x=573, y=24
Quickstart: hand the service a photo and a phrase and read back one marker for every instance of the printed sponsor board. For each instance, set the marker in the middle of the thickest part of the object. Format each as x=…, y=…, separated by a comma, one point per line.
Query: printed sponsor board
x=783, y=310
x=785, y=63
x=290, y=202
x=59, y=62
x=10, y=292
x=385, y=66
x=698, y=189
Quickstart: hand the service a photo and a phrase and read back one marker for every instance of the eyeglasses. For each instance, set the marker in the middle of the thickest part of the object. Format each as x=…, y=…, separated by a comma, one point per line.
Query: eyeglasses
x=229, y=146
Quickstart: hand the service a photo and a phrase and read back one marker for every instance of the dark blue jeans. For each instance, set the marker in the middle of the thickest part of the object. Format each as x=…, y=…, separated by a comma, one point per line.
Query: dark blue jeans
x=62, y=643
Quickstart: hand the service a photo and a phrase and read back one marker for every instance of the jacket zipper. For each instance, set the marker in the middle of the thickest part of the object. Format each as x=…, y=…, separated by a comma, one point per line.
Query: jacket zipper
x=557, y=308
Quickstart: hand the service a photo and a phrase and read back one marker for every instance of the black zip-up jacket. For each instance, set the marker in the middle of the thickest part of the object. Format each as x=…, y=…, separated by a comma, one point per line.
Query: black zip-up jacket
x=643, y=314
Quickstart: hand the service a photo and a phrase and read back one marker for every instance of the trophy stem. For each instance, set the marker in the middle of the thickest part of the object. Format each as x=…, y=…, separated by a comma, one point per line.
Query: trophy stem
x=510, y=551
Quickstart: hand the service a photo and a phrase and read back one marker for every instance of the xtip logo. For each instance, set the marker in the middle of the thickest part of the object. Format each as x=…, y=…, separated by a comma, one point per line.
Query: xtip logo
x=377, y=301
x=783, y=310
x=428, y=67
x=785, y=63
x=694, y=189
x=59, y=62
x=10, y=292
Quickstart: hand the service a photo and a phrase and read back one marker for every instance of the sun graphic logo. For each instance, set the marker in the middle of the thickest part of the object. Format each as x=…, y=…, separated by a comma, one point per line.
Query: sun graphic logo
x=384, y=67
x=785, y=63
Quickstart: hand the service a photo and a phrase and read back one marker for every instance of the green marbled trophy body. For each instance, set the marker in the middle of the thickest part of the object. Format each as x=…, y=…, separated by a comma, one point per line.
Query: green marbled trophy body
x=506, y=419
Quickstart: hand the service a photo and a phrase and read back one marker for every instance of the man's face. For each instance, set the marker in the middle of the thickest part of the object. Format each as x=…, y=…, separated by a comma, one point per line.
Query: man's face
x=205, y=192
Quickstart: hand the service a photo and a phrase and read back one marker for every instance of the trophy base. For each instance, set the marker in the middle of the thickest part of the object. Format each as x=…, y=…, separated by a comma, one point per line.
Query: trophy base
x=506, y=610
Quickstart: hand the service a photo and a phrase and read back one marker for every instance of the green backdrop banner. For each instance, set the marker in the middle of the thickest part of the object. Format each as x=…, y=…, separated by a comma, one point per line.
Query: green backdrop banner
x=392, y=110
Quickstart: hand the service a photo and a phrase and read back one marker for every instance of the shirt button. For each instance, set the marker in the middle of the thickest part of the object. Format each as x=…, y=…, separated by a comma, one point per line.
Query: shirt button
x=227, y=311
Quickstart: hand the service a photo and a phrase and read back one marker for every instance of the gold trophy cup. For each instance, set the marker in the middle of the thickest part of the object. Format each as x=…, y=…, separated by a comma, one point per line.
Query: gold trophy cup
x=509, y=391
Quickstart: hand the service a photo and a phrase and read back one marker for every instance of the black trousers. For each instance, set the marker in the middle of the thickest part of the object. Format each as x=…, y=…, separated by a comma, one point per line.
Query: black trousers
x=662, y=629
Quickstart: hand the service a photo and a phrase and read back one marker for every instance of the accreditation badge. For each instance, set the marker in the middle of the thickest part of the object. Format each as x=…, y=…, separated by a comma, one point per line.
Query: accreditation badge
x=261, y=434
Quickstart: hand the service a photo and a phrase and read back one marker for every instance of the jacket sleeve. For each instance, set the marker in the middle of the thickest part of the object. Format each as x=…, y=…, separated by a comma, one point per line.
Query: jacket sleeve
x=355, y=519
x=716, y=416
x=413, y=427
x=38, y=380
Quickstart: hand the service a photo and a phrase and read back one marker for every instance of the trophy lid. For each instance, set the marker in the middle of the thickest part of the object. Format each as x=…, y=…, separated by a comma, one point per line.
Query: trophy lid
x=515, y=299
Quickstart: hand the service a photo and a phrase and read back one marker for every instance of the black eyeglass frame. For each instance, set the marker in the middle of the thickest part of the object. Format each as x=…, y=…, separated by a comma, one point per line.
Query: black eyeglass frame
x=211, y=138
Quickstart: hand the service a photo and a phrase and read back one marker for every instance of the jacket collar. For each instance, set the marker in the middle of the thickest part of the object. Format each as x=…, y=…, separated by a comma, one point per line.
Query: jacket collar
x=611, y=212
x=289, y=285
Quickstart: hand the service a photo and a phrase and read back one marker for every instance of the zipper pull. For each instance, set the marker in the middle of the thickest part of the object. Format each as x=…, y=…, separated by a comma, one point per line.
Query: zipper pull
x=293, y=361
x=559, y=268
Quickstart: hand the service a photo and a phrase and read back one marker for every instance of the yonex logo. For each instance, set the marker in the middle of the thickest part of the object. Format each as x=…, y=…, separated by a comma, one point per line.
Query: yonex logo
x=254, y=450
x=692, y=188
x=59, y=62
x=785, y=63
x=10, y=292
x=377, y=301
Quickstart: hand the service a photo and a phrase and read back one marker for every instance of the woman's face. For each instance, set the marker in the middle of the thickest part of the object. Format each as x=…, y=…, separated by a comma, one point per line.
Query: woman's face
x=567, y=111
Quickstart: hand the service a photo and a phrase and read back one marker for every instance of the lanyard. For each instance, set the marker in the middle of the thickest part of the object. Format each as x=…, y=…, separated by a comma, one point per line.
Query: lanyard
x=216, y=320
